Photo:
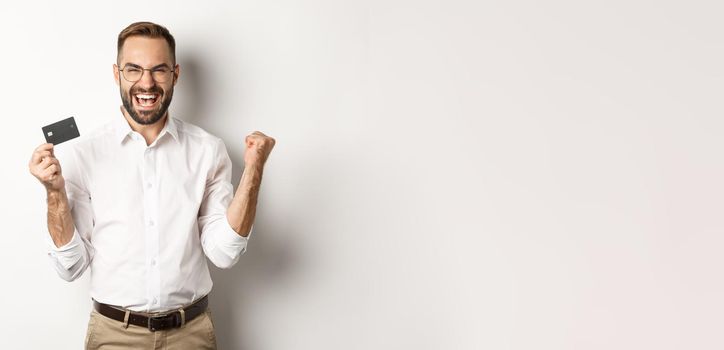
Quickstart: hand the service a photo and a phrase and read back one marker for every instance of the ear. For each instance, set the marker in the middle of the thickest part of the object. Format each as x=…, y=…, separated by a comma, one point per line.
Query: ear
x=116, y=74
x=176, y=74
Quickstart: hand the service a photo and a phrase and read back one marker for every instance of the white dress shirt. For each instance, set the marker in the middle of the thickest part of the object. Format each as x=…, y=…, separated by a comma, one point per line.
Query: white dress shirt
x=146, y=217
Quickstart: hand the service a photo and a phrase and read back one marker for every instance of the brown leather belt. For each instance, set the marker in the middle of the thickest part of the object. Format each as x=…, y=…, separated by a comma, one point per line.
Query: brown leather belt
x=162, y=321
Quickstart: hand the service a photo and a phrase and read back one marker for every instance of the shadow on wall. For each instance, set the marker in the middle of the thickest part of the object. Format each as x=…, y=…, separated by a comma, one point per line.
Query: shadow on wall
x=266, y=262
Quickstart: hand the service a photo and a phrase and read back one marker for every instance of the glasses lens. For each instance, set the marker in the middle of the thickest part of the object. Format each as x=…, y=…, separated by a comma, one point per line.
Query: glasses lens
x=132, y=74
x=161, y=75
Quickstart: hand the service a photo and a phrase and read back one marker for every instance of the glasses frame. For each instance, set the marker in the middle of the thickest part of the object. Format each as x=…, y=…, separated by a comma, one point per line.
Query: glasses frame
x=143, y=71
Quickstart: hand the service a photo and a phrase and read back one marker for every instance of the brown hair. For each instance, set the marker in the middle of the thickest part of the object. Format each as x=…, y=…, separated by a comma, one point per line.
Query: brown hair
x=149, y=30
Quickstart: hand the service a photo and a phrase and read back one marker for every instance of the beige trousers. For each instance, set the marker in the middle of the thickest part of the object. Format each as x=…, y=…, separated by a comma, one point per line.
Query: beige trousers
x=108, y=334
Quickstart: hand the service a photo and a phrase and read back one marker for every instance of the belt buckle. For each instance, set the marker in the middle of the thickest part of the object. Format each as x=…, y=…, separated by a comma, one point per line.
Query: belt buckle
x=151, y=326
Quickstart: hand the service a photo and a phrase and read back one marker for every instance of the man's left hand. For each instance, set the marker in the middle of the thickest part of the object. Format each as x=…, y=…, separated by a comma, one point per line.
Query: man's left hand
x=258, y=147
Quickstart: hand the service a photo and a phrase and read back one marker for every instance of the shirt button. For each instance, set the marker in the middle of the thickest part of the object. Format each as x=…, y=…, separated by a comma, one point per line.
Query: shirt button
x=149, y=185
x=150, y=223
x=155, y=301
x=153, y=262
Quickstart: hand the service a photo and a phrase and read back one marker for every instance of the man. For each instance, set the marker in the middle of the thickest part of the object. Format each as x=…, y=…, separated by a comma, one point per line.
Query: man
x=143, y=201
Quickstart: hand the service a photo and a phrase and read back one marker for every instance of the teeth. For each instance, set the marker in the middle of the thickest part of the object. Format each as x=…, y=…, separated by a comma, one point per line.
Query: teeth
x=146, y=99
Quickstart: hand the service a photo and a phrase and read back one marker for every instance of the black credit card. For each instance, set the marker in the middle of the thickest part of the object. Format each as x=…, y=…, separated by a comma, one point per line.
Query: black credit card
x=61, y=131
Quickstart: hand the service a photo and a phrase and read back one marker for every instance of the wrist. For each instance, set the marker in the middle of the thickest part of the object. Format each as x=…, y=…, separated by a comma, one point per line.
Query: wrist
x=57, y=200
x=255, y=167
x=54, y=192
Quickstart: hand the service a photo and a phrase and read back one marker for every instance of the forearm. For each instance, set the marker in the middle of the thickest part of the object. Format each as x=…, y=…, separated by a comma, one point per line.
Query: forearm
x=60, y=221
x=242, y=209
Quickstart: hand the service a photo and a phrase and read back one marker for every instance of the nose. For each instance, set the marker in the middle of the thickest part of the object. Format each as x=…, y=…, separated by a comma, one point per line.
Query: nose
x=146, y=79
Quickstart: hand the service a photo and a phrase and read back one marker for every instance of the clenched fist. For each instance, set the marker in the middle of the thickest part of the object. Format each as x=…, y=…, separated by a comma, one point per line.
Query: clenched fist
x=258, y=147
x=46, y=168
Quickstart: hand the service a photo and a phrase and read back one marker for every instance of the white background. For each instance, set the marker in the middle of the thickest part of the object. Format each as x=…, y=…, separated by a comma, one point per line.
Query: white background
x=448, y=174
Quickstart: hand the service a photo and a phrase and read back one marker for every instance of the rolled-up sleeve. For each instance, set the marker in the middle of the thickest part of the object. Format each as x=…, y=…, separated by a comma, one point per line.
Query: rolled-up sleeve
x=73, y=258
x=221, y=244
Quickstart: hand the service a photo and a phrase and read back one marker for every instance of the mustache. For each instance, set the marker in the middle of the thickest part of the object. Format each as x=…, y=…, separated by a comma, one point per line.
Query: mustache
x=152, y=90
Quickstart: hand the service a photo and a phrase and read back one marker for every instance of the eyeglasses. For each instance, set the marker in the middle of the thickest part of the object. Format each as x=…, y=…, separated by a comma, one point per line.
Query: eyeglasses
x=133, y=73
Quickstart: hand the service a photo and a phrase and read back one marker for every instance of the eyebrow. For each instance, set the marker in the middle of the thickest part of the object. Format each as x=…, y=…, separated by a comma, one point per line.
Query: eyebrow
x=162, y=65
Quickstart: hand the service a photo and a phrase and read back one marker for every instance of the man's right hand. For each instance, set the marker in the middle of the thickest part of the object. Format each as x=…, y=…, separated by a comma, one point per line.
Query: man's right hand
x=46, y=168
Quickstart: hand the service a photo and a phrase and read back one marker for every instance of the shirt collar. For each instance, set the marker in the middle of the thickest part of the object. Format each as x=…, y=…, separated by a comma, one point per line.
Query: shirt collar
x=123, y=129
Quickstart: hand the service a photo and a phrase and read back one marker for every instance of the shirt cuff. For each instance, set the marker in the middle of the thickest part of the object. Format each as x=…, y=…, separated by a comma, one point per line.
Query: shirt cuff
x=68, y=254
x=230, y=241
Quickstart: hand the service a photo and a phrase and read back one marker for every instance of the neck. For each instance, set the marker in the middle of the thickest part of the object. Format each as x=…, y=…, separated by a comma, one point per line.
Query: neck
x=149, y=132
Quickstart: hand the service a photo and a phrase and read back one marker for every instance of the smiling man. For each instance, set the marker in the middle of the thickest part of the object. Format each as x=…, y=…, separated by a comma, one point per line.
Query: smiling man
x=144, y=201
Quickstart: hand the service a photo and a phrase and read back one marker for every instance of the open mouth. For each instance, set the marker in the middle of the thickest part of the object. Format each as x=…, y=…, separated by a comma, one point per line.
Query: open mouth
x=146, y=100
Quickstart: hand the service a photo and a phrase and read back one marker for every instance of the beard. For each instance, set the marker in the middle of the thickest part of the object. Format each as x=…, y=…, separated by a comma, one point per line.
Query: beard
x=146, y=117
